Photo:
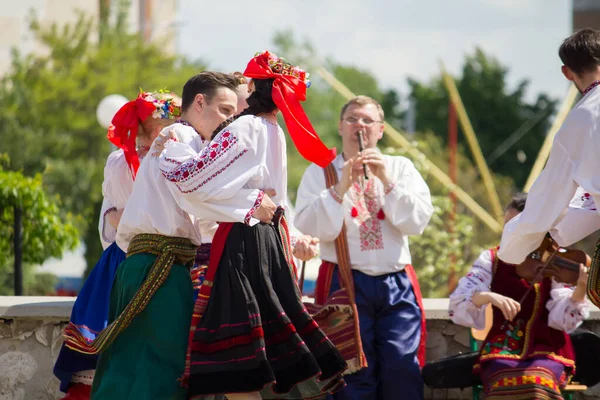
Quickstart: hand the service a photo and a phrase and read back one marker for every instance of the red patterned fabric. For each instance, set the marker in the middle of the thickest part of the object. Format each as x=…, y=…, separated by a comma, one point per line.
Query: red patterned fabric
x=218, y=245
x=123, y=131
x=323, y=286
x=414, y=281
x=78, y=391
x=528, y=335
x=288, y=92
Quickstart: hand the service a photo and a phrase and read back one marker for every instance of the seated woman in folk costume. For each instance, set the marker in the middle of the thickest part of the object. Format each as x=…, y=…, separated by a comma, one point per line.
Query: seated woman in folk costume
x=251, y=335
x=527, y=353
x=134, y=128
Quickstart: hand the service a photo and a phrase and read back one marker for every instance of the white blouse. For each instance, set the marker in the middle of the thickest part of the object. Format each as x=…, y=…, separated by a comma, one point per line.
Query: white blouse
x=116, y=189
x=564, y=313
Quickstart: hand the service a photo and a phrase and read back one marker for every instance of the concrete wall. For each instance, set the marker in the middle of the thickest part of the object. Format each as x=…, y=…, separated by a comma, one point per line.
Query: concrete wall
x=31, y=336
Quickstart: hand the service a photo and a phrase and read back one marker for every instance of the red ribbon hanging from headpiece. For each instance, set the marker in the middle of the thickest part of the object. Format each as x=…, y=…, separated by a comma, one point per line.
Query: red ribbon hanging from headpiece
x=288, y=92
x=123, y=131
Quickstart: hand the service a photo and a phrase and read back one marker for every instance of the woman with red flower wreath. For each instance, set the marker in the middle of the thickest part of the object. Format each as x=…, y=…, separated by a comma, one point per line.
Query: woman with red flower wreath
x=133, y=129
x=251, y=335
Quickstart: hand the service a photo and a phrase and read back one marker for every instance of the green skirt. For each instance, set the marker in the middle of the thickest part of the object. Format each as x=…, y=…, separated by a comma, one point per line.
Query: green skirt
x=148, y=357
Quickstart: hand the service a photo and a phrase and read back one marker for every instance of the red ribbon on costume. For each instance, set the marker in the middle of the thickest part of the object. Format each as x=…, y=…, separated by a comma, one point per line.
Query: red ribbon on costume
x=288, y=92
x=123, y=131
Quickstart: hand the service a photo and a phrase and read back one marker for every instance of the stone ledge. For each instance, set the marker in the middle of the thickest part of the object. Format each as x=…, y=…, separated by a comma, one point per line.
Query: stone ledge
x=41, y=307
x=60, y=308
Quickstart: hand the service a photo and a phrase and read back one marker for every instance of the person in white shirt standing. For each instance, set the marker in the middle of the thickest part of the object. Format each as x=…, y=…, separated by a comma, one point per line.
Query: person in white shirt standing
x=379, y=214
x=573, y=162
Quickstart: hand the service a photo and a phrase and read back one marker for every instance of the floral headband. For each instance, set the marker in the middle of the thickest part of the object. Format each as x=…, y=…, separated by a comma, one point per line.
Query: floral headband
x=167, y=104
x=279, y=66
x=122, y=133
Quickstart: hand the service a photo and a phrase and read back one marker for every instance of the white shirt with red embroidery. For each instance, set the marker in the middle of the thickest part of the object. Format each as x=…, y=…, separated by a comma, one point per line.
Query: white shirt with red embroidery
x=564, y=313
x=573, y=162
x=116, y=189
x=378, y=222
x=161, y=206
x=217, y=181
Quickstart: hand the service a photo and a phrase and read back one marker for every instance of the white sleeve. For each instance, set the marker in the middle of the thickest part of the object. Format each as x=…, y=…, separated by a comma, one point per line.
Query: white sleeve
x=462, y=311
x=546, y=204
x=118, y=181
x=565, y=314
x=581, y=220
x=116, y=189
x=319, y=211
x=211, y=184
x=408, y=204
x=106, y=230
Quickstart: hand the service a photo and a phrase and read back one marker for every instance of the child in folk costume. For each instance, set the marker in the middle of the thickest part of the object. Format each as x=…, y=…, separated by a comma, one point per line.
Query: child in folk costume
x=527, y=352
x=251, y=336
x=133, y=129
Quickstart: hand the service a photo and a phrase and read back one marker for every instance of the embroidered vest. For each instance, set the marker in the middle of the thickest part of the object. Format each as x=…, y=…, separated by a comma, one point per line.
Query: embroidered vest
x=528, y=334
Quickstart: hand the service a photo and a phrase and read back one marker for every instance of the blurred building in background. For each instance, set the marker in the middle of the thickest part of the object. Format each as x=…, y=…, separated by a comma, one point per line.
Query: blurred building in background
x=586, y=14
x=152, y=18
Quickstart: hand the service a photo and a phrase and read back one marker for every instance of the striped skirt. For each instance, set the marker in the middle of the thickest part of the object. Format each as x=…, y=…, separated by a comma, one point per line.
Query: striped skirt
x=254, y=333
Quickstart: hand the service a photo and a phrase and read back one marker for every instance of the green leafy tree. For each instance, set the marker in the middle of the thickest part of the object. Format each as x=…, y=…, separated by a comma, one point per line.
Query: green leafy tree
x=48, y=121
x=45, y=233
x=495, y=110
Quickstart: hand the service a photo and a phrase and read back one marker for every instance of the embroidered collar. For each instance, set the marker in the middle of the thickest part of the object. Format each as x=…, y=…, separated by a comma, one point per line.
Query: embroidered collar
x=182, y=122
x=589, y=88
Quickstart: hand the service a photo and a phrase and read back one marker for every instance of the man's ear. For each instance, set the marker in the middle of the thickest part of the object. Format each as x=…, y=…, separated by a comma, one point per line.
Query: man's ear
x=567, y=73
x=199, y=101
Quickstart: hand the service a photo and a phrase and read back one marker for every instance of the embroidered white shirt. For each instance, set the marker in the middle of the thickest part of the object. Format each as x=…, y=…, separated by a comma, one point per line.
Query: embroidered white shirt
x=378, y=224
x=154, y=208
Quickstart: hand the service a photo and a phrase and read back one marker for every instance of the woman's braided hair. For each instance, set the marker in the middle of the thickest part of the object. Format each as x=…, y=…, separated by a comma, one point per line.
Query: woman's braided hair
x=259, y=102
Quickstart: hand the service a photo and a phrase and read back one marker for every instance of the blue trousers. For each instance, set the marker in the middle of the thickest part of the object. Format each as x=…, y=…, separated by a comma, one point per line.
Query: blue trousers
x=390, y=327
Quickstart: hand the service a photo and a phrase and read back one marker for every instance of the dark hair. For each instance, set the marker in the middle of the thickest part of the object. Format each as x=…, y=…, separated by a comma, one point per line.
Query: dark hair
x=241, y=79
x=260, y=101
x=206, y=83
x=581, y=51
x=517, y=202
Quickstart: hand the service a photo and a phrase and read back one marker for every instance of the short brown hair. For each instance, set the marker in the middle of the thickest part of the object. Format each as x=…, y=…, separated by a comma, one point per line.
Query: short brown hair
x=362, y=101
x=241, y=79
x=207, y=83
x=580, y=52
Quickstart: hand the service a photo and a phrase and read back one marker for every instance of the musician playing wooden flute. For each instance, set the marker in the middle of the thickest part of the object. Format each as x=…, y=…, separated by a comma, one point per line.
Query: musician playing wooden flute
x=527, y=353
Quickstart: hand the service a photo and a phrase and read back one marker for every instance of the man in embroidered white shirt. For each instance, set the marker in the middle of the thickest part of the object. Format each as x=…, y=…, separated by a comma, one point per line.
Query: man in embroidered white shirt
x=574, y=161
x=379, y=214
